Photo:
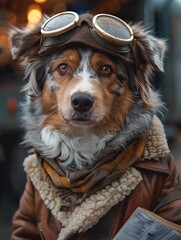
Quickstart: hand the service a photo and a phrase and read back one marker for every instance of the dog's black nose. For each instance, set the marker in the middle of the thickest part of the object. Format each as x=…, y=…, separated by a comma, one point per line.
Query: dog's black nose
x=82, y=102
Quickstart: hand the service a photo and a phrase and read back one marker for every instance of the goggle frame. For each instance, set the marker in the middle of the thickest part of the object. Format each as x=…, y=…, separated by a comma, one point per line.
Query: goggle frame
x=102, y=33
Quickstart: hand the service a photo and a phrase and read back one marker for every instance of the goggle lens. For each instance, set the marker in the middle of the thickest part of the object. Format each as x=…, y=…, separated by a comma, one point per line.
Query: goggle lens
x=113, y=29
x=59, y=23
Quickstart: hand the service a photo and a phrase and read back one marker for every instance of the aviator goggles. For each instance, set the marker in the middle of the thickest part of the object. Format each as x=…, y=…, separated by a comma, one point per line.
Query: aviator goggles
x=102, y=31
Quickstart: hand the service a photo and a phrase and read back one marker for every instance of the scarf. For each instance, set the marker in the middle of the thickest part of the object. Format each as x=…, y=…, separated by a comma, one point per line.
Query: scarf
x=73, y=186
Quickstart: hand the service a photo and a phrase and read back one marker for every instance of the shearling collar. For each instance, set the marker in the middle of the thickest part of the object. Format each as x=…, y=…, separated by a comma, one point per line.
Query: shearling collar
x=88, y=213
x=157, y=145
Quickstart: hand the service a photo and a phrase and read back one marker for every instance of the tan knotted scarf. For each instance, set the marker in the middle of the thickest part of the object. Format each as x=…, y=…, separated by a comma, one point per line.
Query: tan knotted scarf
x=74, y=186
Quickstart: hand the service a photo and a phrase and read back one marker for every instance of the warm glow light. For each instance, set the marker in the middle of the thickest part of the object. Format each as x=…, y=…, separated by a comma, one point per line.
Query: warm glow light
x=40, y=1
x=34, y=15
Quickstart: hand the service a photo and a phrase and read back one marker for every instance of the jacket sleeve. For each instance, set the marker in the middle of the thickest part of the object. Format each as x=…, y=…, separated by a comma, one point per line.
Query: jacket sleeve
x=171, y=207
x=24, y=220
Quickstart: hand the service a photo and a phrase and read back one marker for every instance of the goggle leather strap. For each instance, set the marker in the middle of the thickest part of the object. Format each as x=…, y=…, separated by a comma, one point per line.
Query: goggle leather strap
x=85, y=18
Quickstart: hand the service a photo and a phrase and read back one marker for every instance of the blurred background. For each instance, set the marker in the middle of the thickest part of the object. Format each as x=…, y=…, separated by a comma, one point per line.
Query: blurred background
x=162, y=17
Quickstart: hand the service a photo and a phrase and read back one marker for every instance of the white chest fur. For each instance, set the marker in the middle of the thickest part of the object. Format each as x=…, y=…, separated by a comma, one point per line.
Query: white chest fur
x=80, y=149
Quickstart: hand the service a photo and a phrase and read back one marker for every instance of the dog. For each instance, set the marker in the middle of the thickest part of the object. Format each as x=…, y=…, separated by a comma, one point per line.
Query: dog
x=84, y=102
x=86, y=97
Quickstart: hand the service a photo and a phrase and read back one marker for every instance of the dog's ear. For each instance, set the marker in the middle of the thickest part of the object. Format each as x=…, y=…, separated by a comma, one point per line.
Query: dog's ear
x=151, y=49
x=150, y=52
x=24, y=42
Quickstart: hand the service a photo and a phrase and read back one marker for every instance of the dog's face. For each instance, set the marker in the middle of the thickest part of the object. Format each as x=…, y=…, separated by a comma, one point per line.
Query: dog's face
x=78, y=99
x=86, y=89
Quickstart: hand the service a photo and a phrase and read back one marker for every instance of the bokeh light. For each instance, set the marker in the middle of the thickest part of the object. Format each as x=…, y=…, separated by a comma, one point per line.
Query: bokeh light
x=34, y=15
x=40, y=1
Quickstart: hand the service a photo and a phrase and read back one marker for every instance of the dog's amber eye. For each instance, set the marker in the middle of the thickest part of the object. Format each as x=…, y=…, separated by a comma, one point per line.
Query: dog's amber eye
x=63, y=68
x=106, y=71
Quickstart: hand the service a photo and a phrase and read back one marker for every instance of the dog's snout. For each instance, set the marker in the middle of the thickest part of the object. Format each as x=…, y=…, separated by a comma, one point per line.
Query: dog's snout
x=82, y=102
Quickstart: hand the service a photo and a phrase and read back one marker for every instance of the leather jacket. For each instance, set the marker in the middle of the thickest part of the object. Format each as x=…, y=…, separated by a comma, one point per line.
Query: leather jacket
x=38, y=216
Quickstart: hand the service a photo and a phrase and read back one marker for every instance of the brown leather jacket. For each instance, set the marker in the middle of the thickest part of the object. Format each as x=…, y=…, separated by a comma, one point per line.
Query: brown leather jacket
x=39, y=217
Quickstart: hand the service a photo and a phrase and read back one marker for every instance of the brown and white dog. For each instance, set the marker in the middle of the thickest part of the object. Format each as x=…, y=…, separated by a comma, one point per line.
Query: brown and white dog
x=89, y=114
x=79, y=99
